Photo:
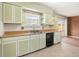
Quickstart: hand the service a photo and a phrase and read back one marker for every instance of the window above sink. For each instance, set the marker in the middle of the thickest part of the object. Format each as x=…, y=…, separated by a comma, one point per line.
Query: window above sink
x=31, y=19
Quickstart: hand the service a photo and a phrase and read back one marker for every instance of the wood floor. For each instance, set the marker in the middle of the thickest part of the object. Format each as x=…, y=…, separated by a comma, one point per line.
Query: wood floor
x=67, y=48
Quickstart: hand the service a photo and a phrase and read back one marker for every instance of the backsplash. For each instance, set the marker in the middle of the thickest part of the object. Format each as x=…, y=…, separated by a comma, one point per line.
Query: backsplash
x=12, y=27
x=18, y=27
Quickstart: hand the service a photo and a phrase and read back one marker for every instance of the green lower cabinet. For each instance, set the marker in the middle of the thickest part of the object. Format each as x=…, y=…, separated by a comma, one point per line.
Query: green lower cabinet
x=35, y=44
x=23, y=47
x=30, y=45
x=0, y=48
x=18, y=46
x=9, y=49
x=42, y=43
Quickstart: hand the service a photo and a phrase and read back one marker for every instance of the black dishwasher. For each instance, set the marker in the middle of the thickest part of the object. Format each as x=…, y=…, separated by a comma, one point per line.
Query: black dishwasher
x=49, y=39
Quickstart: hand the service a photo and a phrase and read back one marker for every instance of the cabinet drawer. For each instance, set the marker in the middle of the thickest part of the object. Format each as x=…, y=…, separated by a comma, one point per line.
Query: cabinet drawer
x=34, y=36
x=5, y=40
x=42, y=36
x=15, y=38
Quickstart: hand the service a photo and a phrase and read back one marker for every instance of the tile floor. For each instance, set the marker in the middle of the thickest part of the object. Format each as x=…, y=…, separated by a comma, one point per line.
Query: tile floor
x=67, y=48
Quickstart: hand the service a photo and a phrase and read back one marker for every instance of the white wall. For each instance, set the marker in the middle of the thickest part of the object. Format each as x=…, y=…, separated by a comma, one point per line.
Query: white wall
x=12, y=27
x=65, y=27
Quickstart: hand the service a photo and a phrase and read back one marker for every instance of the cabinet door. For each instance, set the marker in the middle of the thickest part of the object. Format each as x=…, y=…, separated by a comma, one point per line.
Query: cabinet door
x=9, y=49
x=57, y=37
x=34, y=46
x=48, y=19
x=37, y=41
x=30, y=45
x=7, y=13
x=23, y=47
x=17, y=14
x=0, y=11
x=34, y=43
x=42, y=41
x=0, y=48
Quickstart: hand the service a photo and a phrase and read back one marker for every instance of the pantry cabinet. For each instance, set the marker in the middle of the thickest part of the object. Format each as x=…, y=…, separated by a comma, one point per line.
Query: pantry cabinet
x=11, y=13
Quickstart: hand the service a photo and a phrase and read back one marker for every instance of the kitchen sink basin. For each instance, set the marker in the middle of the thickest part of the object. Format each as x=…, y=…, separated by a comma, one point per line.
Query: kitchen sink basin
x=36, y=31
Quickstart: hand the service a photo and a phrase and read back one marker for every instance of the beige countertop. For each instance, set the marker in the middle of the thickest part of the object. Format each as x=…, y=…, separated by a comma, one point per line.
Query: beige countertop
x=26, y=32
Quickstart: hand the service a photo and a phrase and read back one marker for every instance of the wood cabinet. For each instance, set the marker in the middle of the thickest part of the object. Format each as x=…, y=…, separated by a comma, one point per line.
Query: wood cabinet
x=73, y=26
x=11, y=13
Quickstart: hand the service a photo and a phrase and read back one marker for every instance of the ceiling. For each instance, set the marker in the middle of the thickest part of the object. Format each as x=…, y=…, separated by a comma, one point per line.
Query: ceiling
x=64, y=8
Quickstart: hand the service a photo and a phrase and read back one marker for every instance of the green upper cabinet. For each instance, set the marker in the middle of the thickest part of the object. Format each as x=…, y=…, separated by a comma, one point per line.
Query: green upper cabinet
x=48, y=19
x=0, y=11
x=11, y=13
x=7, y=13
x=17, y=15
